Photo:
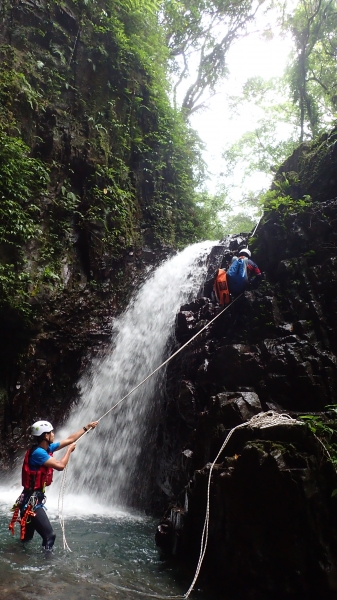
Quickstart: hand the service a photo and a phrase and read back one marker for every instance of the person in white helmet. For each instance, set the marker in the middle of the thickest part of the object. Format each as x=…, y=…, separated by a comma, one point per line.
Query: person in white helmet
x=253, y=272
x=252, y=278
x=37, y=474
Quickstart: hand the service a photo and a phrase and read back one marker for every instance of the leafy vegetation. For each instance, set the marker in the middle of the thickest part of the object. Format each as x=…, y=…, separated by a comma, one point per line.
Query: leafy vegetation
x=291, y=109
x=202, y=32
x=272, y=200
x=113, y=168
x=325, y=429
x=129, y=168
x=22, y=181
x=312, y=72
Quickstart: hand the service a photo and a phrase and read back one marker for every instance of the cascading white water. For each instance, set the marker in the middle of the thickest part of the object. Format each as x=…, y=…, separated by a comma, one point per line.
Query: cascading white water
x=105, y=462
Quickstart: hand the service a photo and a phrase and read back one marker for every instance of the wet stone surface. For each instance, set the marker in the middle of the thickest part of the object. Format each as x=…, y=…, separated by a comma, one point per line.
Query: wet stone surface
x=273, y=528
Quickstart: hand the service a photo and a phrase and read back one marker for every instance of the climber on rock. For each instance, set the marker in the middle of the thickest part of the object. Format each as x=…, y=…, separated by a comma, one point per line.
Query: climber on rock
x=37, y=473
x=243, y=273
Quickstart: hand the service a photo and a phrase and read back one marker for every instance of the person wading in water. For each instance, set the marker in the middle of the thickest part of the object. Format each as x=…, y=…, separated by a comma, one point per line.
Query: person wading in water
x=37, y=473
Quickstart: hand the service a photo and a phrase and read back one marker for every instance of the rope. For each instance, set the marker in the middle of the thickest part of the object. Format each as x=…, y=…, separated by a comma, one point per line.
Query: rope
x=147, y=594
x=256, y=227
x=64, y=475
x=259, y=421
x=262, y=420
x=60, y=503
x=170, y=357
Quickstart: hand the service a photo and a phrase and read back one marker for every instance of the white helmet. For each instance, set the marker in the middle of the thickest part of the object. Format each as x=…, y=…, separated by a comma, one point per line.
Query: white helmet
x=41, y=427
x=246, y=252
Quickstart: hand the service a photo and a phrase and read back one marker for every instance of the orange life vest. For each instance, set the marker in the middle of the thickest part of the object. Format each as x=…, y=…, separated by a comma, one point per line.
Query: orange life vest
x=221, y=287
x=35, y=479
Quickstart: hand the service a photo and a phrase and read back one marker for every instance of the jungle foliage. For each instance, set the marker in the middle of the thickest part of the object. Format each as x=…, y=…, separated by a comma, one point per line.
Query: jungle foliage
x=324, y=428
x=91, y=148
x=199, y=35
x=22, y=181
x=296, y=107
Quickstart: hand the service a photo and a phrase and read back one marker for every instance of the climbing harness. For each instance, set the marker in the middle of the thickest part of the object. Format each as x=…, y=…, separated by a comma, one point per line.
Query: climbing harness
x=34, y=481
x=15, y=518
x=29, y=511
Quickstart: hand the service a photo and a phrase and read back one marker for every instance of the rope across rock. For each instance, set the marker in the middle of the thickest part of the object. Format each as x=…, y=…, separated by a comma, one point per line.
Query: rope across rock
x=262, y=420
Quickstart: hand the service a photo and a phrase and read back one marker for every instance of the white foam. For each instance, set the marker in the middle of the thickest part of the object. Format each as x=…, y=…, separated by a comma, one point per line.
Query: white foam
x=79, y=506
x=104, y=469
x=104, y=463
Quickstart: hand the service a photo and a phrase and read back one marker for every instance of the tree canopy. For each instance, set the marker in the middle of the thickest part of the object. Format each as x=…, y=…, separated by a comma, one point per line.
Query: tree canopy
x=312, y=70
x=295, y=107
x=199, y=34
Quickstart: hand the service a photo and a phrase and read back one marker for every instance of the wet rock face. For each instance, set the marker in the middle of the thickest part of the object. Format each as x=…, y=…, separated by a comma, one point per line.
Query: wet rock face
x=311, y=170
x=63, y=91
x=273, y=528
x=40, y=367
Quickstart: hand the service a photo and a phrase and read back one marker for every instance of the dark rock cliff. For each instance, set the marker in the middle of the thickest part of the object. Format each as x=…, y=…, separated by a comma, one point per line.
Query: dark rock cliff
x=91, y=196
x=273, y=528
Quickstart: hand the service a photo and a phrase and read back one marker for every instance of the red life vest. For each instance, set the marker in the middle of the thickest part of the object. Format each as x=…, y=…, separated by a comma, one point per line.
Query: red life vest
x=221, y=287
x=35, y=479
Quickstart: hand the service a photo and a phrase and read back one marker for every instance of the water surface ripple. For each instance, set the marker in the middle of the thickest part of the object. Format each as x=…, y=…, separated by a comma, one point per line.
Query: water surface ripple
x=111, y=558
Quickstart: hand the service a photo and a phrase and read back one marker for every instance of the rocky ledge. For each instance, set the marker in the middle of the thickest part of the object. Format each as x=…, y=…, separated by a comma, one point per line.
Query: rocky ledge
x=273, y=529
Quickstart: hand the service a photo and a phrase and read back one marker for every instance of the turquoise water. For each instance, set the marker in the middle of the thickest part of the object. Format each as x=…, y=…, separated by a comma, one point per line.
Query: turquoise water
x=113, y=557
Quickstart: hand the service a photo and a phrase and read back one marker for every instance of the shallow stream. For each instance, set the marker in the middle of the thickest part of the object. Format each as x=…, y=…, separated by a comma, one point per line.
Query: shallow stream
x=113, y=557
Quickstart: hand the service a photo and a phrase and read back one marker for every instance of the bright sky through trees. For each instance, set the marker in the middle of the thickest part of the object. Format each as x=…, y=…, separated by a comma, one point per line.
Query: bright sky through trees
x=219, y=124
x=254, y=85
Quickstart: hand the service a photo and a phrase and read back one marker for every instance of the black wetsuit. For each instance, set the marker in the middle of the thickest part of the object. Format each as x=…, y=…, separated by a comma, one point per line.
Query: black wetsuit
x=39, y=523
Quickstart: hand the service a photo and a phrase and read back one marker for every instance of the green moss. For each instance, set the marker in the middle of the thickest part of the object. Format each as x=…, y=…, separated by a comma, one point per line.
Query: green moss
x=22, y=178
x=90, y=147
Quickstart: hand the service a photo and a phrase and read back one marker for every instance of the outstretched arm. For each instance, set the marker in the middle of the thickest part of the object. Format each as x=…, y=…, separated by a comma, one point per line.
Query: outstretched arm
x=61, y=464
x=75, y=436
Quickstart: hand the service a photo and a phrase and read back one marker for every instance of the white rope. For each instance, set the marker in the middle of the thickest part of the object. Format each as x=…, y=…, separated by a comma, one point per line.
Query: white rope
x=63, y=482
x=262, y=420
x=60, y=508
x=147, y=594
x=170, y=357
x=259, y=421
x=256, y=226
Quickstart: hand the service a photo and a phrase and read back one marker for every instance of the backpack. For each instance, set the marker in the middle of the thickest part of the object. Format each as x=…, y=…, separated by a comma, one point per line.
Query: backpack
x=237, y=276
x=221, y=287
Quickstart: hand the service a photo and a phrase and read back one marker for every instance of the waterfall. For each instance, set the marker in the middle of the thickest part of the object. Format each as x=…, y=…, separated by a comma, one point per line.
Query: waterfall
x=108, y=461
